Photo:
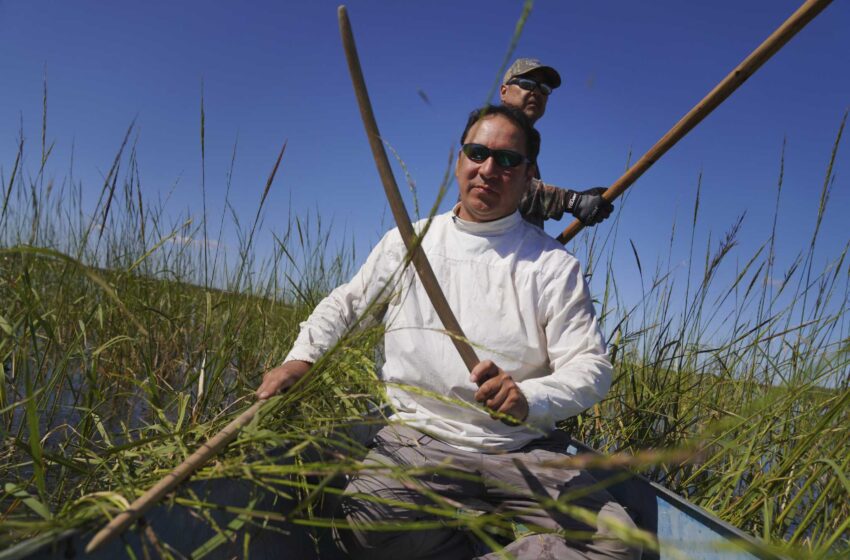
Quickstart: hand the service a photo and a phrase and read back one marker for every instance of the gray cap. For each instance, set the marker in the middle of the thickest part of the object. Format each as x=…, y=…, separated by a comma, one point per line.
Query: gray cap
x=525, y=65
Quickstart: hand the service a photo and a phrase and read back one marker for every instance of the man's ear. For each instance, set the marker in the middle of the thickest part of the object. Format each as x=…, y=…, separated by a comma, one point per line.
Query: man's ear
x=531, y=171
x=502, y=90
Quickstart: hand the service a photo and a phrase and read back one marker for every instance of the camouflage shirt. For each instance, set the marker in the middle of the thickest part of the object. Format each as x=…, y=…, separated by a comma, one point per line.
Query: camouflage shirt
x=545, y=202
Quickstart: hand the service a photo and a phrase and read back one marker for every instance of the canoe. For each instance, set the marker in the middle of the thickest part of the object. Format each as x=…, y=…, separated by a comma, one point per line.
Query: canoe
x=682, y=528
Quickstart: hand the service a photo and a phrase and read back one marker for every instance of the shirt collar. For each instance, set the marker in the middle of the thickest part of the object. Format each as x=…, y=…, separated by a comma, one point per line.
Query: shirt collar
x=494, y=227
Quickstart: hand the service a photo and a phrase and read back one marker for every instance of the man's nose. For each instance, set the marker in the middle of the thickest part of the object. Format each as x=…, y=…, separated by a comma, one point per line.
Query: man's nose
x=488, y=167
x=536, y=92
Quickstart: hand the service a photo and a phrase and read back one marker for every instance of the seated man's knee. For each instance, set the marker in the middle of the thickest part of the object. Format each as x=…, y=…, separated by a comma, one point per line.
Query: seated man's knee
x=364, y=530
x=358, y=531
x=616, y=533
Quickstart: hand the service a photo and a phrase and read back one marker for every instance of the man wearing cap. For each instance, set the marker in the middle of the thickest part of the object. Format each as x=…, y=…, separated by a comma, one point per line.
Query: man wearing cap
x=526, y=86
x=483, y=438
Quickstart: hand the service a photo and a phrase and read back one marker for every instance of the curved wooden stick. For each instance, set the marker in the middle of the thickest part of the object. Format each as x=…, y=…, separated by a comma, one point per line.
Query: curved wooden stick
x=212, y=447
x=724, y=89
x=715, y=97
x=402, y=219
x=206, y=452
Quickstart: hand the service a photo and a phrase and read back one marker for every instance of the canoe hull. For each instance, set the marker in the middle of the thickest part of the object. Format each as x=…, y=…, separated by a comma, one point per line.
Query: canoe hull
x=227, y=532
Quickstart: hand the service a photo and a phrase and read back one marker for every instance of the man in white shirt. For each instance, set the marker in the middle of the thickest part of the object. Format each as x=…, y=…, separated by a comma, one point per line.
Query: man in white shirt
x=481, y=436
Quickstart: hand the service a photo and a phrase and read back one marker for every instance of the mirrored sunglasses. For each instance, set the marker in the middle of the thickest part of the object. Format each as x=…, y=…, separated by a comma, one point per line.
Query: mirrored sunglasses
x=503, y=158
x=530, y=85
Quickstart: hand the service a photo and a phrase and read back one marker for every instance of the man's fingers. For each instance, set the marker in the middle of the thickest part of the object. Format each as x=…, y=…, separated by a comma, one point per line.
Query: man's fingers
x=499, y=392
x=600, y=212
x=516, y=406
x=272, y=384
x=509, y=404
x=483, y=371
x=590, y=208
x=497, y=401
x=281, y=378
x=488, y=390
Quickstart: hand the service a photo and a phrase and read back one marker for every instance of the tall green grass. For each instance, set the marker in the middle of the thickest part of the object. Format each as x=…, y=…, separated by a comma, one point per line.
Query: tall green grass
x=752, y=375
x=126, y=338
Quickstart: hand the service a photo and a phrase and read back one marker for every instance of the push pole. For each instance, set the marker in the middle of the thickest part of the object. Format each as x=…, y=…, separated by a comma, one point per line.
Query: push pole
x=724, y=89
x=402, y=219
x=212, y=447
x=715, y=97
x=206, y=452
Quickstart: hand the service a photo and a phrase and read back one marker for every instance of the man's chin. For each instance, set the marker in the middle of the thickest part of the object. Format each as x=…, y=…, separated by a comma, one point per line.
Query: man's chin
x=485, y=202
x=477, y=212
x=533, y=112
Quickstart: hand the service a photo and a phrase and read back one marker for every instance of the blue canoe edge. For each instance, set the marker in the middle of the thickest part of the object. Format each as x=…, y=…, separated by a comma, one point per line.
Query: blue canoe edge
x=682, y=528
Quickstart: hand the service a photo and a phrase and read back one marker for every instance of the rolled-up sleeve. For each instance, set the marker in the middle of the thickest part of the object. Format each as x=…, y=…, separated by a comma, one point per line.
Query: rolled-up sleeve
x=581, y=372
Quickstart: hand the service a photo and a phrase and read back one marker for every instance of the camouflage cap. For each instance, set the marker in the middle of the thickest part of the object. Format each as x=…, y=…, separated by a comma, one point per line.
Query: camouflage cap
x=525, y=65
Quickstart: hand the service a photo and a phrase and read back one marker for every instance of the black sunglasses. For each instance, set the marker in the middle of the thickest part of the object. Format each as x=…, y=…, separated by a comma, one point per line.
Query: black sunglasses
x=529, y=85
x=503, y=158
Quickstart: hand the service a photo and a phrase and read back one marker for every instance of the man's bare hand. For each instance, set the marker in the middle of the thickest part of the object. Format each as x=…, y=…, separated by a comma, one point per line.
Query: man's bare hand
x=282, y=378
x=498, y=391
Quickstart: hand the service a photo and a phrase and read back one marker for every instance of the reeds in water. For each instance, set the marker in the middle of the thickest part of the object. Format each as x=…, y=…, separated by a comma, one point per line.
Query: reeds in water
x=125, y=342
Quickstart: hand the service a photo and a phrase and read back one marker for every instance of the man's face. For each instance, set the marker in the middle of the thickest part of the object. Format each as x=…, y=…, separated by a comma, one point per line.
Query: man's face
x=489, y=191
x=532, y=103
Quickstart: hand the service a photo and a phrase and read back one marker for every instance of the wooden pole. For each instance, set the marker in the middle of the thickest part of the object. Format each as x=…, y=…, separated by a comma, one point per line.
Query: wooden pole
x=724, y=89
x=715, y=97
x=212, y=447
x=206, y=452
x=402, y=219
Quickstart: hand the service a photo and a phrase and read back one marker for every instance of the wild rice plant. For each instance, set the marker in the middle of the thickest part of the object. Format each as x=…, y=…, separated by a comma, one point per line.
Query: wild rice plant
x=124, y=343
x=752, y=375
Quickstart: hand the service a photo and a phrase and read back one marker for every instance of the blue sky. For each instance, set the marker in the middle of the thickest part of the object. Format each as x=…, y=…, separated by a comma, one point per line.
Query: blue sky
x=274, y=72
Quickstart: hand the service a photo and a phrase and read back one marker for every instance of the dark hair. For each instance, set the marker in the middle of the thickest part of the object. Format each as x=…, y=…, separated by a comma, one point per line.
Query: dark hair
x=532, y=137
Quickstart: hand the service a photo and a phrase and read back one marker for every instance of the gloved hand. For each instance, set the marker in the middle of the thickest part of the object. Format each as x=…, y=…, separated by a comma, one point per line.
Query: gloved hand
x=589, y=206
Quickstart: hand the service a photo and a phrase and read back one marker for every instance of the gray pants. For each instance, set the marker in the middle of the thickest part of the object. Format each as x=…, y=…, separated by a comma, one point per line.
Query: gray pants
x=400, y=504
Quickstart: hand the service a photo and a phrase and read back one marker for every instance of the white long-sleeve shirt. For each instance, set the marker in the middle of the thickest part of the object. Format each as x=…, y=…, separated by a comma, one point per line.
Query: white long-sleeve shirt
x=522, y=302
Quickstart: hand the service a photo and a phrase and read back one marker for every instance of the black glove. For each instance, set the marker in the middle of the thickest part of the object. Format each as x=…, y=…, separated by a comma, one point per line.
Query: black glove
x=589, y=206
